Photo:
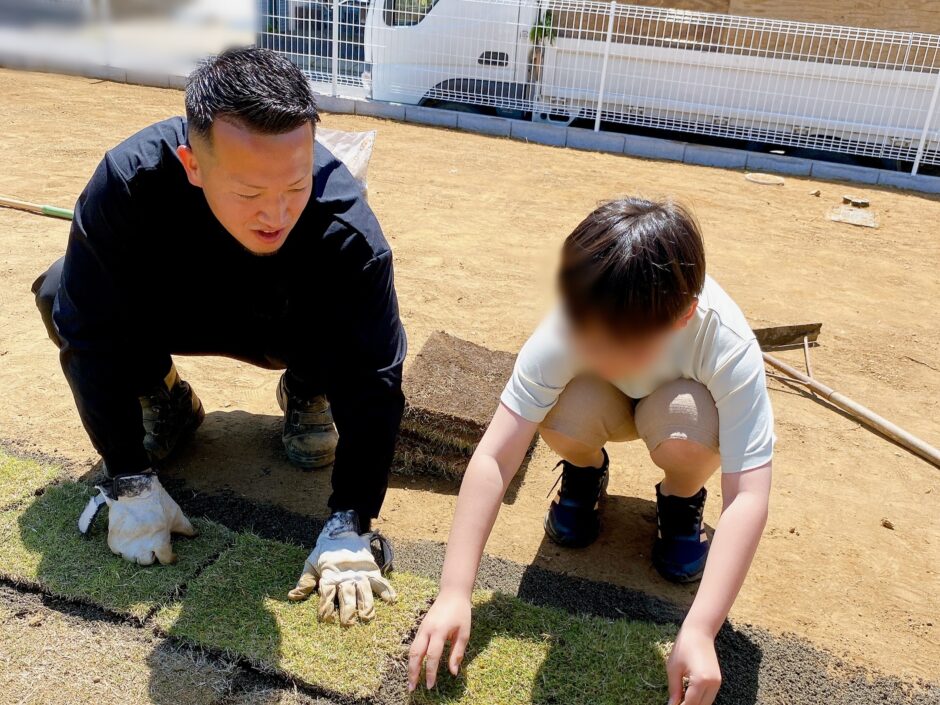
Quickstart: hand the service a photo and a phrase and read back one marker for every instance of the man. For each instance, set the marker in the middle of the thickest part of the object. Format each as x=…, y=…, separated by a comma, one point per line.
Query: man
x=229, y=233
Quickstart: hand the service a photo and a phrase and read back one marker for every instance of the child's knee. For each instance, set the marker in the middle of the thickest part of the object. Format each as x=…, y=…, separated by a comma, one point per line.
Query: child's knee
x=678, y=455
x=680, y=411
x=590, y=412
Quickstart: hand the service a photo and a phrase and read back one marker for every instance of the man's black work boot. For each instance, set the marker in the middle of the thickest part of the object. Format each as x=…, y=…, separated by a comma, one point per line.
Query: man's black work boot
x=171, y=413
x=681, y=547
x=309, y=434
x=573, y=520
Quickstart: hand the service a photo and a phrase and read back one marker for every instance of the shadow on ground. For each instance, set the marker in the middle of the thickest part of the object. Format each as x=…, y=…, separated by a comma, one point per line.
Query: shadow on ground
x=241, y=452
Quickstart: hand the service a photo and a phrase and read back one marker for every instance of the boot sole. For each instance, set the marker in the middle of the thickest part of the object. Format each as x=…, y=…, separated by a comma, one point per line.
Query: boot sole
x=554, y=538
x=308, y=463
x=679, y=580
x=676, y=577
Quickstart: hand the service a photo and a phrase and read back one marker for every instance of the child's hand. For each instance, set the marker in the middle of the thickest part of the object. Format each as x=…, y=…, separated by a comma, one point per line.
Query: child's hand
x=693, y=657
x=448, y=620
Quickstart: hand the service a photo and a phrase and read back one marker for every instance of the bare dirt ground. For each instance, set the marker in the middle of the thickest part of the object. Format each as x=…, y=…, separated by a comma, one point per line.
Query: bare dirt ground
x=475, y=223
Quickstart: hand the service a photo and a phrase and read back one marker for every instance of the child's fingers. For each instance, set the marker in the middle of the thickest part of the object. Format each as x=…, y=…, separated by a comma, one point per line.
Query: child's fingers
x=674, y=673
x=458, y=648
x=696, y=694
x=415, y=656
x=435, y=649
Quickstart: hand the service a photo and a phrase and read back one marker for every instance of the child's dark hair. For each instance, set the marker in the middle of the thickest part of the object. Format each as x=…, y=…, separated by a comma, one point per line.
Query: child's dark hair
x=633, y=266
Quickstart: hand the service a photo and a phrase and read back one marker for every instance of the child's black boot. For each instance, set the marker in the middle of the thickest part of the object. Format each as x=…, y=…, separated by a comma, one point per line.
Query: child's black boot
x=681, y=545
x=573, y=520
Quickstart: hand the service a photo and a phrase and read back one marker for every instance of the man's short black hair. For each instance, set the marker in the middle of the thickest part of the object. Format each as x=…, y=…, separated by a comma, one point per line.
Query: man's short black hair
x=255, y=88
x=633, y=266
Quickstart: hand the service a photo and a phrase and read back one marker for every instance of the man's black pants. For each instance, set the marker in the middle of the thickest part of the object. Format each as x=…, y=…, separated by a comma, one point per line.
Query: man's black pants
x=363, y=490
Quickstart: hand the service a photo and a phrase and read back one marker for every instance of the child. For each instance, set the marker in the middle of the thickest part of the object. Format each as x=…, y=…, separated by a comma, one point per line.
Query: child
x=644, y=345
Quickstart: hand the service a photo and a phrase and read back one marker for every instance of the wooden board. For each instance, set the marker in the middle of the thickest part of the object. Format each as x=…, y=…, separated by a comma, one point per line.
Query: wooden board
x=777, y=337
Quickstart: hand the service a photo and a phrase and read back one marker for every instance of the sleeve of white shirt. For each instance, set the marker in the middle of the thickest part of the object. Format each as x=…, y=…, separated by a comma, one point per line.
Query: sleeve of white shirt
x=543, y=369
x=745, y=417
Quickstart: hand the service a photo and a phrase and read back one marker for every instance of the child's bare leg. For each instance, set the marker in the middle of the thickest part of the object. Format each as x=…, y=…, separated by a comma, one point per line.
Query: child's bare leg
x=687, y=466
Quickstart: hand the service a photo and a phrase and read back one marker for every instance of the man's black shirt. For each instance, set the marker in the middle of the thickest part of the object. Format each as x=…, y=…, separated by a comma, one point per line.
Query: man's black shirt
x=150, y=271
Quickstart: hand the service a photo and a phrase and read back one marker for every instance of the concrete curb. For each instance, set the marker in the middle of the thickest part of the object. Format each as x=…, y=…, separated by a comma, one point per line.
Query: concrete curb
x=795, y=166
x=431, y=116
x=540, y=133
x=707, y=155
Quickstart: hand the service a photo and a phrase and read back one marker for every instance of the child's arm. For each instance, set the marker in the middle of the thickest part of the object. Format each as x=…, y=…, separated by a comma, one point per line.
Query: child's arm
x=495, y=462
x=735, y=542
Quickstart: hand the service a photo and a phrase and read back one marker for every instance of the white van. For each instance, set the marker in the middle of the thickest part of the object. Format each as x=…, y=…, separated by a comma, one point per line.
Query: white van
x=816, y=86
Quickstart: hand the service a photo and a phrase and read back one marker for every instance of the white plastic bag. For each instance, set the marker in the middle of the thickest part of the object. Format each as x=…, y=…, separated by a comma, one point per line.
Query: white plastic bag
x=354, y=149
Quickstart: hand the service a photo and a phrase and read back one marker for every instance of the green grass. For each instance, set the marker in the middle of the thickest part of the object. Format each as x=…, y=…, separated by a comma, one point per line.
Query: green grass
x=522, y=654
x=519, y=654
x=40, y=546
x=21, y=479
x=239, y=605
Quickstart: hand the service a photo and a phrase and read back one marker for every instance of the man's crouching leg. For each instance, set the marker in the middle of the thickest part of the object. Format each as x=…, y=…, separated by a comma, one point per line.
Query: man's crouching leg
x=310, y=436
x=171, y=410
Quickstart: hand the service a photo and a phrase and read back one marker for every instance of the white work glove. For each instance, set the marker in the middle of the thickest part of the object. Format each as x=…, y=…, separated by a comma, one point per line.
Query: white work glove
x=343, y=567
x=141, y=517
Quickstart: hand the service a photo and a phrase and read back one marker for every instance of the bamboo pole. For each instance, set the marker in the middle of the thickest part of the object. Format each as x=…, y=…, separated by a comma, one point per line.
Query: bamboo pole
x=862, y=413
x=37, y=208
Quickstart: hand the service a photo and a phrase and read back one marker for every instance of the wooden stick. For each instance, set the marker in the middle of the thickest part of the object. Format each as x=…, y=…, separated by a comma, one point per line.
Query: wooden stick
x=862, y=413
x=37, y=208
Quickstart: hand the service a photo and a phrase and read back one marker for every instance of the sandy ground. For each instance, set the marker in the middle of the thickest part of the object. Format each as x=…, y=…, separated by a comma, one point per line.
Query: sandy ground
x=475, y=223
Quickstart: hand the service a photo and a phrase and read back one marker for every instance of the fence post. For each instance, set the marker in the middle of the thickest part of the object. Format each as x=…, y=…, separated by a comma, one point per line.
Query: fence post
x=335, y=47
x=600, y=92
x=104, y=17
x=926, y=131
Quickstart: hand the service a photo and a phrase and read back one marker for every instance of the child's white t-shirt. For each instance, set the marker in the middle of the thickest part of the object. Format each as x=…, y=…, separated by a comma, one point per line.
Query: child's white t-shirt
x=716, y=348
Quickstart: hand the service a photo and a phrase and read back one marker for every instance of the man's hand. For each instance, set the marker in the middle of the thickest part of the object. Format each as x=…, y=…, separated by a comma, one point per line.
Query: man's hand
x=141, y=518
x=343, y=567
x=448, y=620
x=693, y=657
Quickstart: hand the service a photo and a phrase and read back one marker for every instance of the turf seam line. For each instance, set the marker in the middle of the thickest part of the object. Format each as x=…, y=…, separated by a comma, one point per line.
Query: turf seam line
x=52, y=601
x=400, y=662
x=179, y=593
x=34, y=588
x=60, y=604
x=278, y=674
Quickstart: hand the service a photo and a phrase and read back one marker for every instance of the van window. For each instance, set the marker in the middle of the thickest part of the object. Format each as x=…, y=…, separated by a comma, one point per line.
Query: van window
x=406, y=13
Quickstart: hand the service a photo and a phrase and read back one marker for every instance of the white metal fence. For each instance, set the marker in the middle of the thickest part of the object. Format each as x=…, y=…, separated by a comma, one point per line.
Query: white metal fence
x=800, y=85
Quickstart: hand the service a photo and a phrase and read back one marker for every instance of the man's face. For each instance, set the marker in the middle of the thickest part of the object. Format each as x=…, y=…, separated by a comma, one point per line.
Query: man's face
x=256, y=185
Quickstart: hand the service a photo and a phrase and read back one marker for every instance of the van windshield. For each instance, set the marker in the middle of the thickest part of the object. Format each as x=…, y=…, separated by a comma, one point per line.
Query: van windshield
x=406, y=13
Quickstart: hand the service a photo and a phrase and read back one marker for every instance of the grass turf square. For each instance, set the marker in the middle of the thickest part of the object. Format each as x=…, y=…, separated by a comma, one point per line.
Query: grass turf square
x=40, y=546
x=521, y=654
x=239, y=605
x=20, y=479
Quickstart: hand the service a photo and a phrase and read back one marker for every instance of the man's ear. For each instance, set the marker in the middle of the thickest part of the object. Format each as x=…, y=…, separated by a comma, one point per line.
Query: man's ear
x=687, y=316
x=188, y=159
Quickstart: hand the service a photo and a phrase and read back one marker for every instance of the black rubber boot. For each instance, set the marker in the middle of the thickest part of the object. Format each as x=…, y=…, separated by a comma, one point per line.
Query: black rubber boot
x=309, y=434
x=171, y=413
x=681, y=547
x=573, y=520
